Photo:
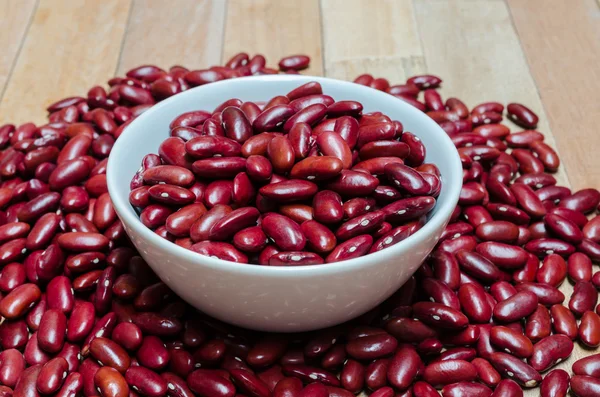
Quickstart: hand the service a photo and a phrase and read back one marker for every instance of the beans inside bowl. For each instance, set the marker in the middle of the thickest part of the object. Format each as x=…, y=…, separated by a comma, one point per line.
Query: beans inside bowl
x=299, y=180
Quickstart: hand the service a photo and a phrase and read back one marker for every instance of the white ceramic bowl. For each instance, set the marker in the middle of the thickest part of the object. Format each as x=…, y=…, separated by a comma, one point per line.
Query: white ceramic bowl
x=282, y=299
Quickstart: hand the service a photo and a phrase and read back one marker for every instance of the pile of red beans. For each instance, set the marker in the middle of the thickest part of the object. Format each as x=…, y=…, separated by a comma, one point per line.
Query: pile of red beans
x=84, y=315
x=285, y=168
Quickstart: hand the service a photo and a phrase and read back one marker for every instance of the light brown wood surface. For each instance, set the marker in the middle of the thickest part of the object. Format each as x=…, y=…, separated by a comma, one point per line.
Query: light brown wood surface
x=527, y=51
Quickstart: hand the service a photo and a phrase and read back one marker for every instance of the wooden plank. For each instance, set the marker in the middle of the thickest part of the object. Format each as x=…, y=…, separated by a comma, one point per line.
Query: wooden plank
x=188, y=33
x=378, y=37
x=275, y=29
x=484, y=62
x=565, y=68
x=70, y=47
x=14, y=20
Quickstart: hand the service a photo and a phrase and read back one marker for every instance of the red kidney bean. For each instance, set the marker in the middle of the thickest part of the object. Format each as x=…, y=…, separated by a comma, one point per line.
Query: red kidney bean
x=589, y=329
x=52, y=330
x=446, y=268
x=553, y=270
x=486, y=372
x=517, y=306
x=42, y=232
x=503, y=255
x=81, y=322
x=550, y=351
x=538, y=324
x=515, y=369
x=466, y=389
x=563, y=321
x=149, y=383
x=442, y=373
x=51, y=376
x=439, y=315
x=33, y=354
x=152, y=353
x=403, y=367
x=555, y=383
x=546, y=294
x=12, y=365
x=478, y=266
x=522, y=115
x=26, y=386
x=14, y=334
x=474, y=303
x=19, y=301
x=584, y=200
x=584, y=298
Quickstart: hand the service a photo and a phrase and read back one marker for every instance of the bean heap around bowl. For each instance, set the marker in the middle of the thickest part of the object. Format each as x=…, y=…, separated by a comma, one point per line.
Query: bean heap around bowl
x=299, y=180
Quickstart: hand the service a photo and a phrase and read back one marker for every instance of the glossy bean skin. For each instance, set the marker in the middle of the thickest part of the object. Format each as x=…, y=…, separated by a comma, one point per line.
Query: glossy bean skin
x=403, y=367
x=51, y=376
x=517, y=306
x=147, y=382
x=589, y=329
x=584, y=298
x=441, y=373
x=515, y=369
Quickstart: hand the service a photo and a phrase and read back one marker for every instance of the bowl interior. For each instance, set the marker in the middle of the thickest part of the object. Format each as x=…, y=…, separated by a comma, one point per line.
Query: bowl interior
x=145, y=134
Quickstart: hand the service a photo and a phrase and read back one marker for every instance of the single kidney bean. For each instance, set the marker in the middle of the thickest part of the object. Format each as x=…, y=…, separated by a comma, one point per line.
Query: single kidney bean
x=584, y=298
x=538, y=324
x=440, y=293
x=80, y=322
x=550, y=351
x=51, y=376
x=478, y=266
x=442, y=373
x=109, y=353
x=439, y=315
x=589, y=365
x=19, y=301
x=517, y=306
x=309, y=374
x=502, y=290
x=584, y=200
x=511, y=341
x=26, y=386
x=555, y=383
x=553, y=270
x=563, y=321
x=111, y=383
x=352, y=376
x=486, y=372
x=585, y=386
x=149, y=383
x=33, y=354
x=403, y=367
x=12, y=365
x=515, y=369
x=589, y=329
x=522, y=115
x=52, y=330
x=503, y=255
x=508, y=388
x=152, y=353
x=474, y=303
x=466, y=389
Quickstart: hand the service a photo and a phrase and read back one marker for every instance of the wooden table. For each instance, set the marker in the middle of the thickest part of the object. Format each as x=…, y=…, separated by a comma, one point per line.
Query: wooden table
x=545, y=54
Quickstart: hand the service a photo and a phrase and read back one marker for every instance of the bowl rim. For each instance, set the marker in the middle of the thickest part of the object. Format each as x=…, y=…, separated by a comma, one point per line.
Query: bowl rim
x=121, y=201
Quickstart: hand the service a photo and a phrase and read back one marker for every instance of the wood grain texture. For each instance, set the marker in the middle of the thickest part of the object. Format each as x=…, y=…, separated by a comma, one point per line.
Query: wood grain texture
x=189, y=33
x=70, y=47
x=378, y=37
x=562, y=47
x=275, y=29
x=16, y=16
x=485, y=62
